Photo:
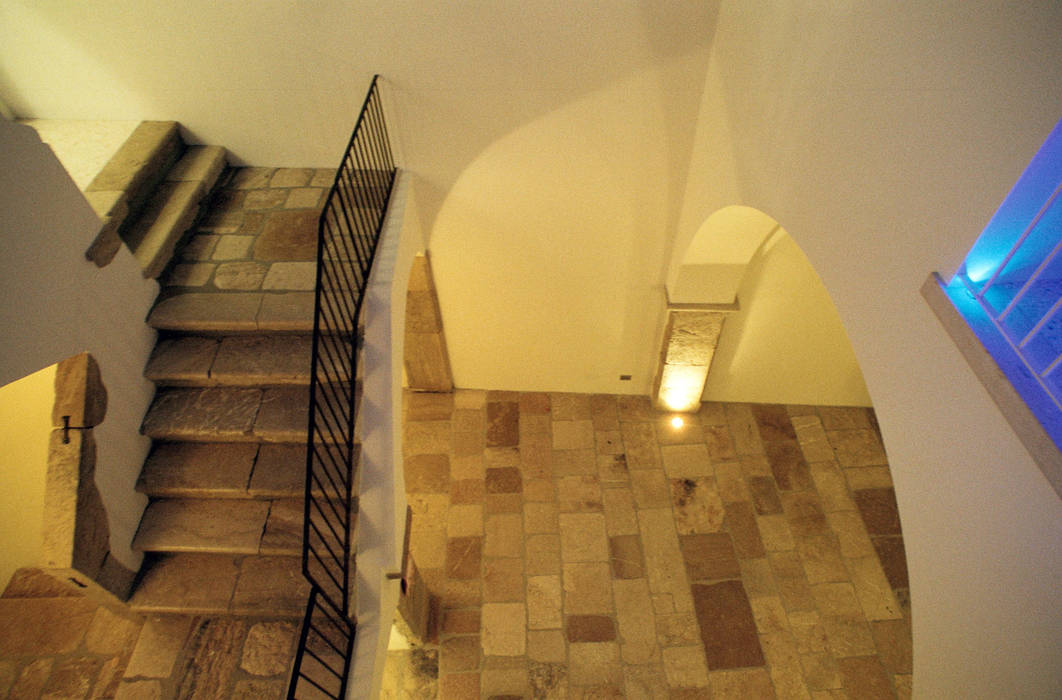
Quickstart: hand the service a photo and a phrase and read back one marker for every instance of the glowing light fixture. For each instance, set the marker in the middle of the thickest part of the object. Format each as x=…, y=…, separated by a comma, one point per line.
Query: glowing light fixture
x=677, y=422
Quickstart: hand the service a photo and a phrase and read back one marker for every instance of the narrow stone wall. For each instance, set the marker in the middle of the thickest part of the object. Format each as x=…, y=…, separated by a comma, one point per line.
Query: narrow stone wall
x=427, y=362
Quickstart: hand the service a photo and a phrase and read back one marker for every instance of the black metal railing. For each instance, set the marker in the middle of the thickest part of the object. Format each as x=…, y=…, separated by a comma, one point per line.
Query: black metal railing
x=347, y=237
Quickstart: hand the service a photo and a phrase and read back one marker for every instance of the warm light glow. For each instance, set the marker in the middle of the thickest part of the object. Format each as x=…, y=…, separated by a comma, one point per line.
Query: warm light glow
x=677, y=422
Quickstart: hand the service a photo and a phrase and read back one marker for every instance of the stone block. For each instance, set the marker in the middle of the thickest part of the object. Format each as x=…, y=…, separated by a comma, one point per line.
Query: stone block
x=80, y=395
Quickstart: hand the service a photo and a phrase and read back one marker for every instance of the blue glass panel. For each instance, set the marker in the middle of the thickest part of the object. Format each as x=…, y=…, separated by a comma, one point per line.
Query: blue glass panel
x=1042, y=238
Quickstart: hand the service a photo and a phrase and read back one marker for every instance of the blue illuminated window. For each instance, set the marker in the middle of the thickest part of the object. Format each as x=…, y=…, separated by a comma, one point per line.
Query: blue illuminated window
x=1009, y=288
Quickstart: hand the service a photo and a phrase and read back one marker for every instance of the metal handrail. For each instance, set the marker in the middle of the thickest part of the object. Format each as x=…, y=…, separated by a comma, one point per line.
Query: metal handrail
x=347, y=237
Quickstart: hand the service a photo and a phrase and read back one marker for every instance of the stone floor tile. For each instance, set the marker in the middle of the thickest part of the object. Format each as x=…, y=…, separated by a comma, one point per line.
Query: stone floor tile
x=270, y=584
x=200, y=312
x=291, y=177
x=873, y=591
x=465, y=520
x=583, y=537
x=542, y=554
x=288, y=311
x=464, y=557
x=847, y=631
x=879, y=511
x=40, y=626
x=232, y=247
x=893, y=559
x=904, y=685
x=730, y=482
x=184, y=359
x=587, y=588
x=460, y=621
x=250, y=178
x=686, y=461
x=608, y=442
x=728, y=628
x=268, y=648
x=459, y=686
x=427, y=473
x=279, y=470
x=503, y=424
x=199, y=582
x=430, y=437
x=677, y=629
x=861, y=478
x=590, y=628
x=743, y=429
x=812, y=438
x=503, y=580
x=200, y=247
x=304, y=198
x=639, y=442
x=213, y=656
x=203, y=414
x=264, y=199
x=466, y=491
x=504, y=629
x=547, y=680
x=201, y=525
x=792, y=582
x=161, y=640
x=669, y=433
x=820, y=671
x=604, y=411
x=268, y=360
x=685, y=667
x=291, y=276
x=788, y=466
x=499, y=457
x=755, y=465
x=663, y=557
x=504, y=535
x=744, y=530
x=139, y=690
x=579, y=494
x=831, y=486
x=697, y=505
x=547, y=646
x=620, y=515
x=570, y=406
x=821, y=555
x=563, y=463
x=709, y=556
x=651, y=489
x=741, y=684
x=864, y=677
x=612, y=470
x=424, y=406
x=504, y=480
x=594, y=663
x=283, y=530
x=573, y=434
x=534, y=403
x=469, y=419
x=720, y=444
x=808, y=632
x=111, y=633
x=844, y=417
x=544, y=602
x=857, y=448
x=851, y=534
x=776, y=533
x=459, y=654
x=892, y=638
x=765, y=497
x=258, y=690
x=773, y=422
x=189, y=275
x=784, y=666
x=195, y=468
x=637, y=624
x=625, y=556
x=770, y=615
x=540, y=517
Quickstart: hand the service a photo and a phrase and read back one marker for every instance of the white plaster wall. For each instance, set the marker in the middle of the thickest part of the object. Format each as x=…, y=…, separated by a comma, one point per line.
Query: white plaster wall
x=882, y=137
x=55, y=304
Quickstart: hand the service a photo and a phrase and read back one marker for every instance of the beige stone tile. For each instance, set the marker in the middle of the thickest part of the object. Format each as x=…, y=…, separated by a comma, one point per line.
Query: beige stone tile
x=677, y=629
x=873, y=591
x=543, y=554
x=459, y=654
x=536, y=461
x=464, y=520
x=536, y=428
x=579, y=494
x=267, y=584
x=461, y=556
x=612, y=470
x=296, y=276
x=469, y=467
x=857, y=448
x=812, y=439
x=847, y=631
x=540, y=517
x=573, y=462
x=755, y=465
x=820, y=671
x=893, y=641
x=757, y=577
x=467, y=420
x=583, y=537
x=730, y=482
x=743, y=429
x=539, y=491
x=594, y=663
x=741, y=684
x=770, y=615
x=775, y=532
x=460, y=621
x=686, y=461
x=470, y=398
x=570, y=406
x=573, y=434
x=645, y=682
x=639, y=443
x=128, y=690
x=504, y=535
x=803, y=511
x=709, y=557
x=232, y=247
x=468, y=445
x=427, y=437
x=865, y=678
x=783, y=662
x=608, y=442
x=427, y=473
x=793, y=587
x=720, y=444
x=304, y=198
x=604, y=411
x=667, y=433
x=547, y=646
x=663, y=603
x=697, y=506
x=503, y=580
x=589, y=628
x=459, y=686
x=504, y=676
x=851, y=534
x=844, y=417
x=291, y=177
x=744, y=531
x=544, y=602
x=197, y=525
x=502, y=458
x=587, y=588
x=860, y=478
x=634, y=613
x=547, y=680
x=161, y=640
x=821, y=555
x=808, y=632
x=831, y=485
x=625, y=556
x=504, y=629
x=685, y=666
x=650, y=488
x=620, y=515
x=663, y=557
x=189, y=275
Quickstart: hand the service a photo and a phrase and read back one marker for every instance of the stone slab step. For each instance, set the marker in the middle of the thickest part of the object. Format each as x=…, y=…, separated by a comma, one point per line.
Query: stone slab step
x=224, y=470
x=222, y=526
x=173, y=207
x=221, y=584
x=234, y=312
x=242, y=360
x=228, y=414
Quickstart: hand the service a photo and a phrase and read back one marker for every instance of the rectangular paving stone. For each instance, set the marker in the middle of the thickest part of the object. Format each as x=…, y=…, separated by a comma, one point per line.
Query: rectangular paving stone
x=463, y=557
x=43, y=626
x=773, y=422
x=625, y=556
x=728, y=629
x=589, y=628
x=583, y=537
x=709, y=557
x=788, y=466
x=879, y=511
x=270, y=585
x=744, y=530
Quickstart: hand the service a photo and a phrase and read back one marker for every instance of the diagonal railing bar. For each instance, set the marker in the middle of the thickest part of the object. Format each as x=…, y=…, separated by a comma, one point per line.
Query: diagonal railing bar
x=347, y=237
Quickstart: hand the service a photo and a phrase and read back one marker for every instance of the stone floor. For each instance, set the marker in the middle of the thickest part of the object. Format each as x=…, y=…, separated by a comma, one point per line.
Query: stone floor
x=582, y=546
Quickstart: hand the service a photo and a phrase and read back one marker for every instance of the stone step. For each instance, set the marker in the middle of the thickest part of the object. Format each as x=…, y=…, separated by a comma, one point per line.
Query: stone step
x=224, y=470
x=221, y=584
x=242, y=360
x=122, y=189
x=228, y=414
x=173, y=207
x=222, y=526
x=234, y=312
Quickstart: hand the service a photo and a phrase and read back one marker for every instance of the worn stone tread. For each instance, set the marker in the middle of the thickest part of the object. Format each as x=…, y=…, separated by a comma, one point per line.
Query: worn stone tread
x=234, y=312
x=238, y=360
x=202, y=525
x=228, y=414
